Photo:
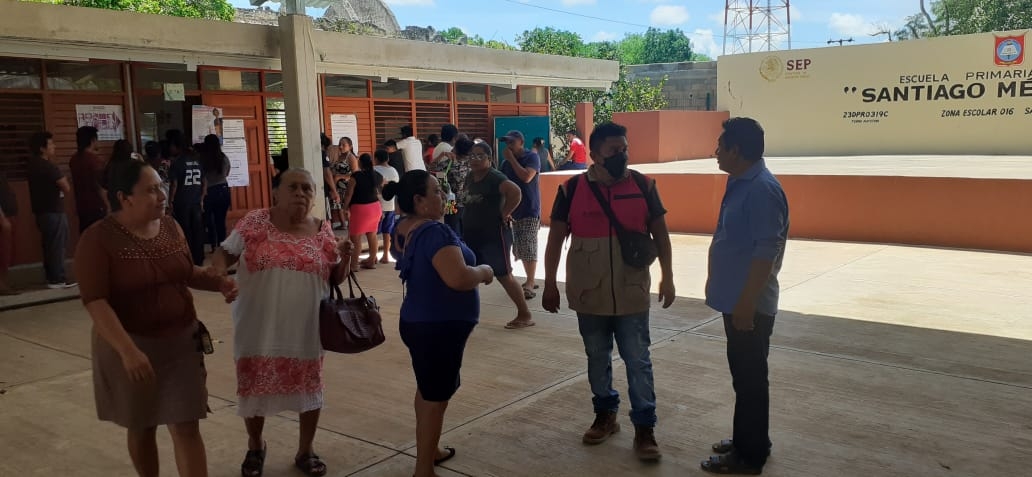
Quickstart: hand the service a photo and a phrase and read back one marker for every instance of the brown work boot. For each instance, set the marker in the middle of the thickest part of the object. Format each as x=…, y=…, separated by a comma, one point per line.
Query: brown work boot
x=645, y=446
x=604, y=426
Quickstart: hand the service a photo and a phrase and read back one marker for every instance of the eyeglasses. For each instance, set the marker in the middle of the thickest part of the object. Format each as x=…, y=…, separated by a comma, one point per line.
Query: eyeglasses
x=480, y=157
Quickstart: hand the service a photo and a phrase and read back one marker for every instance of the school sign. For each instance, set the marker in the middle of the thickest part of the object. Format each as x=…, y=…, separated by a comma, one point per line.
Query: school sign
x=969, y=94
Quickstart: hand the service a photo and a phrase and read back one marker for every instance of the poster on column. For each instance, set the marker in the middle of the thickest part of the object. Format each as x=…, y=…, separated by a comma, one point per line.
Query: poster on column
x=107, y=118
x=234, y=146
x=345, y=125
x=207, y=120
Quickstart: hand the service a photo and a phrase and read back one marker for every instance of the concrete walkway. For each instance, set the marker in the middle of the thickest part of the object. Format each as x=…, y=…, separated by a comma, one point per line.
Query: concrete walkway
x=886, y=361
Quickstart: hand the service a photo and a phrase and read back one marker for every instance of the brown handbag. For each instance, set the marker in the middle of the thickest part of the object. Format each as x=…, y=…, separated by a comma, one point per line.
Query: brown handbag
x=350, y=325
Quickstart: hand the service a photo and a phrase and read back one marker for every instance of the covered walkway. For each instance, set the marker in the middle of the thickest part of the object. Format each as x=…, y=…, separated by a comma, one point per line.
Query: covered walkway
x=887, y=360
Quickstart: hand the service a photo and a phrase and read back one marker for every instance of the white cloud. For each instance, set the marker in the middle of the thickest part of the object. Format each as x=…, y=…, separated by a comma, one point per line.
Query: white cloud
x=796, y=15
x=605, y=36
x=410, y=3
x=703, y=41
x=716, y=17
x=849, y=24
x=669, y=15
x=574, y=3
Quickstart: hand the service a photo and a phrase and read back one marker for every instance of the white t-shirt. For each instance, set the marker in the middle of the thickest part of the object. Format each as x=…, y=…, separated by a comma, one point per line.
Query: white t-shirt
x=412, y=150
x=389, y=175
x=441, y=149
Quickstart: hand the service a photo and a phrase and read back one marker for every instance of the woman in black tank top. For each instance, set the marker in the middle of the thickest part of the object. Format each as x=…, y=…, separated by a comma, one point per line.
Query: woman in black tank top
x=363, y=201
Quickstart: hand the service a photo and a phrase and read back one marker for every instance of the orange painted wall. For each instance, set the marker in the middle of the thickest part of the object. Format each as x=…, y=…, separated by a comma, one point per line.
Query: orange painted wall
x=667, y=136
x=984, y=214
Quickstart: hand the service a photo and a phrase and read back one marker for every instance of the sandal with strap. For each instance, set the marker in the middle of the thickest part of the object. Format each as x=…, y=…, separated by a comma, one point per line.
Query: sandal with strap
x=311, y=465
x=254, y=463
x=451, y=453
x=729, y=464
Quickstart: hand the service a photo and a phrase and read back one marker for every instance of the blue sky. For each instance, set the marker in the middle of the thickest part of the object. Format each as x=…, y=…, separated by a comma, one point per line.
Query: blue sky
x=814, y=22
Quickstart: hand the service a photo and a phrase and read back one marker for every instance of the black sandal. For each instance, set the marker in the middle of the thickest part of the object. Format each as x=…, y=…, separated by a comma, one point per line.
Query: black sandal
x=254, y=463
x=311, y=465
x=729, y=464
x=451, y=453
x=724, y=446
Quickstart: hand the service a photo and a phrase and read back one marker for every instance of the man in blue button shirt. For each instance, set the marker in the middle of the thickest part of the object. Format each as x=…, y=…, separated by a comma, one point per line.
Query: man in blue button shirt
x=744, y=261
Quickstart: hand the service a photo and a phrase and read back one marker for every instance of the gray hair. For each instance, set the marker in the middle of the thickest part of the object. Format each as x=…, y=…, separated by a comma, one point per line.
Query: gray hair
x=297, y=170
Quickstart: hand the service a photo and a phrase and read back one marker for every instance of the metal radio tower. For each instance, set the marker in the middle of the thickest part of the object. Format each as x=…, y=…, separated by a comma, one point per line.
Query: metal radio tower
x=756, y=25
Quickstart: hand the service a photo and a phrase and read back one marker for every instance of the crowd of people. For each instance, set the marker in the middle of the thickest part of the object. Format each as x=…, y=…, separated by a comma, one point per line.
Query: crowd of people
x=453, y=219
x=192, y=178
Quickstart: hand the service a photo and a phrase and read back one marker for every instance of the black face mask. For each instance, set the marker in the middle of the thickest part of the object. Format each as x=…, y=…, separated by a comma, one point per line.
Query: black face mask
x=616, y=165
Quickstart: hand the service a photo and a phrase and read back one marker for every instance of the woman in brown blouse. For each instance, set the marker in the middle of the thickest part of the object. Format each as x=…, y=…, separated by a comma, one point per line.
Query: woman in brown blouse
x=148, y=368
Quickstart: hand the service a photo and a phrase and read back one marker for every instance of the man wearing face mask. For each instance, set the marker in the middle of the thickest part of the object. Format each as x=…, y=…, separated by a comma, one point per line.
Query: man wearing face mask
x=610, y=296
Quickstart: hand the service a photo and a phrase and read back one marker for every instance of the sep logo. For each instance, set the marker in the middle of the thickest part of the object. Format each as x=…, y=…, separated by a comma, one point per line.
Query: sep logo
x=772, y=68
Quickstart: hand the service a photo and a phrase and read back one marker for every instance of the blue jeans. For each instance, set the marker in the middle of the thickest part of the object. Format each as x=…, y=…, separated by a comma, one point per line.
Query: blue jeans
x=632, y=340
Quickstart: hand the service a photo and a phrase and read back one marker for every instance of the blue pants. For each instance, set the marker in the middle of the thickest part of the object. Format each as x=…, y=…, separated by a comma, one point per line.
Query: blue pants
x=632, y=339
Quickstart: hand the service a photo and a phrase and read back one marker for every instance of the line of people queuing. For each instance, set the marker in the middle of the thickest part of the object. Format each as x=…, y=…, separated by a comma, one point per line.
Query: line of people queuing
x=148, y=344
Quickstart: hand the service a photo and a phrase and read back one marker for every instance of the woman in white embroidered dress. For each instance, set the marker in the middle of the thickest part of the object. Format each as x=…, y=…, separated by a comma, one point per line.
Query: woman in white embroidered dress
x=286, y=258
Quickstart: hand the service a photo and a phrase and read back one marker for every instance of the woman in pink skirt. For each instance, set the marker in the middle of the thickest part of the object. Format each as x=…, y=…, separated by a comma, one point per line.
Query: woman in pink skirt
x=363, y=201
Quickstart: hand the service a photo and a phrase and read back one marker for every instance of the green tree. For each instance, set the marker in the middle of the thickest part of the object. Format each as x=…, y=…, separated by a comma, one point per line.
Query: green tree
x=476, y=40
x=671, y=46
x=623, y=96
x=632, y=49
x=962, y=17
x=210, y=9
x=550, y=41
x=453, y=35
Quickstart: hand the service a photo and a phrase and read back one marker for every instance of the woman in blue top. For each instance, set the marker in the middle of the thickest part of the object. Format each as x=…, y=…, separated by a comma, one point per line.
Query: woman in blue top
x=440, y=308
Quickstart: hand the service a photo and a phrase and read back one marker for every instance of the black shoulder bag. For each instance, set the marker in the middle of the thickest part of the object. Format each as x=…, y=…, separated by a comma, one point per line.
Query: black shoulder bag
x=638, y=249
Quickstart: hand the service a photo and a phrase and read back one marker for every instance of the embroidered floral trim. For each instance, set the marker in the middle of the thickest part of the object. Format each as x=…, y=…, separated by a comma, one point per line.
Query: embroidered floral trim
x=274, y=375
x=266, y=248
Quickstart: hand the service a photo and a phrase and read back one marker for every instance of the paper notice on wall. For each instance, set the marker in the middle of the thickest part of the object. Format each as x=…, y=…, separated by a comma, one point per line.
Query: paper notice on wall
x=174, y=91
x=345, y=125
x=107, y=118
x=234, y=145
x=207, y=120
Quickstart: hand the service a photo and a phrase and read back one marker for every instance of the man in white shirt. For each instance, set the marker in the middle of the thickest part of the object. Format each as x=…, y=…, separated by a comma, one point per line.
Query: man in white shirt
x=449, y=133
x=412, y=149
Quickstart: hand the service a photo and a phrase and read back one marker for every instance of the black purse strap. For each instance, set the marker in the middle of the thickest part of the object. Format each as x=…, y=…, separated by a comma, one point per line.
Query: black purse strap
x=337, y=294
x=620, y=230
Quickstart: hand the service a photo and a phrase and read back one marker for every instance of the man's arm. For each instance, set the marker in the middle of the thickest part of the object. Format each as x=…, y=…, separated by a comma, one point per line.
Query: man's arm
x=98, y=167
x=64, y=185
x=661, y=235
x=525, y=174
x=767, y=213
x=558, y=230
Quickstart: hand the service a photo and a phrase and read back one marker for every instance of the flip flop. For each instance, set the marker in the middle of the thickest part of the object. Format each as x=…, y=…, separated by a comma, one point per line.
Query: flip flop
x=528, y=294
x=451, y=453
x=385, y=261
x=368, y=266
x=516, y=324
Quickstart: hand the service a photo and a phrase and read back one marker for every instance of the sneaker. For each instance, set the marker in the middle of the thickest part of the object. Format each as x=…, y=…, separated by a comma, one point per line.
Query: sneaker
x=604, y=426
x=61, y=286
x=645, y=446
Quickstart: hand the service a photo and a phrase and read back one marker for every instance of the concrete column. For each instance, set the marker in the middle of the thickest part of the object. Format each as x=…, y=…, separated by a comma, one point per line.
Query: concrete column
x=585, y=120
x=301, y=96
